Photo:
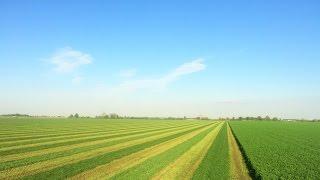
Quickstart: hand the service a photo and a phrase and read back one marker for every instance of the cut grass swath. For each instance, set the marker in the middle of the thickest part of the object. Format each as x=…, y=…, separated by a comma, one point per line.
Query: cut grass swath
x=186, y=164
x=70, y=150
x=151, y=166
x=40, y=141
x=116, y=166
x=77, y=163
x=216, y=163
x=68, y=142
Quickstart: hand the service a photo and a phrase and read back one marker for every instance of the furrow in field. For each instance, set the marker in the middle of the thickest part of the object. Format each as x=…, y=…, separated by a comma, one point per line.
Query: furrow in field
x=47, y=145
x=118, y=165
x=40, y=141
x=184, y=166
x=238, y=169
x=59, y=164
x=26, y=159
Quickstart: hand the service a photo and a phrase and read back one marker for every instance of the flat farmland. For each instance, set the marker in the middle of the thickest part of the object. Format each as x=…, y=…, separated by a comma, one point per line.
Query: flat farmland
x=88, y=148
x=33, y=148
x=280, y=150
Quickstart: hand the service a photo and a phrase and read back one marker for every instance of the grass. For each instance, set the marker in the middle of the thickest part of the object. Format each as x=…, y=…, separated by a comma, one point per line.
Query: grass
x=216, y=163
x=281, y=150
x=64, y=137
x=71, y=150
x=72, y=169
x=185, y=165
x=126, y=162
x=150, y=167
x=35, y=148
x=238, y=169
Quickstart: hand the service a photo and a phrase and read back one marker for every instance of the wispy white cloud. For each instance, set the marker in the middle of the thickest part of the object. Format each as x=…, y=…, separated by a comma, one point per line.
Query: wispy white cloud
x=189, y=67
x=184, y=69
x=128, y=73
x=163, y=81
x=67, y=60
x=77, y=79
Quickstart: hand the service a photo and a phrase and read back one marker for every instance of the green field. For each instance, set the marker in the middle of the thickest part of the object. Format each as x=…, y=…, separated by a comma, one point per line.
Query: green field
x=35, y=148
x=281, y=150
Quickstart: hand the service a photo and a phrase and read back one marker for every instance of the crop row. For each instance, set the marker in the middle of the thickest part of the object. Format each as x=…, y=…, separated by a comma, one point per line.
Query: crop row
x=280, y=150
x=38, y=149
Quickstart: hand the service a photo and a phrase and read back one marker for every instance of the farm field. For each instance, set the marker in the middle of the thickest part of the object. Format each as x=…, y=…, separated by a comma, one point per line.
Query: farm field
x=117, y=149
x=280, y=150
x=34, y=148
x=160, y=90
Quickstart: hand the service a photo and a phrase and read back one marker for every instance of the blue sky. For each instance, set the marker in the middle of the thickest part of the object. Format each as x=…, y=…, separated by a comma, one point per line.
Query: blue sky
x=164, y=58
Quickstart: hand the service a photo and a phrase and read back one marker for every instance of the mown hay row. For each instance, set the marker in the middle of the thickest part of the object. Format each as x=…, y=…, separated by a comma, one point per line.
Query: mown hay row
x=16, y=160
x=116, y=166
x=73, y=159
x=185, y=165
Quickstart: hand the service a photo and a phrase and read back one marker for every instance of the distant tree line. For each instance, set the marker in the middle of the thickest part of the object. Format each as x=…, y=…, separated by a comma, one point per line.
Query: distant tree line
x=76, y=115
x=116, y=116
x=16, y=115
x=109, y=116
x=266, y=118
x=304, y=120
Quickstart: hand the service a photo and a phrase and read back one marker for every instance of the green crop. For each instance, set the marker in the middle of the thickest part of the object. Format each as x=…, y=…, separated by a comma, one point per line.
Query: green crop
x=280, y=150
